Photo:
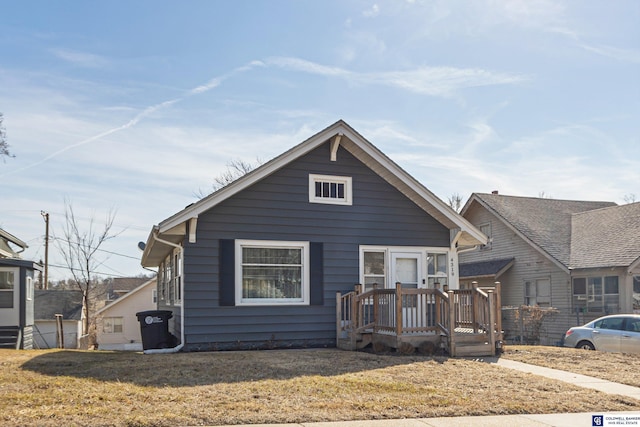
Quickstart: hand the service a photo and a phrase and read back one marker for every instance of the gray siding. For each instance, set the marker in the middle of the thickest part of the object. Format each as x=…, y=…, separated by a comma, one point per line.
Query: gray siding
x=278, y=208
x=530, y=264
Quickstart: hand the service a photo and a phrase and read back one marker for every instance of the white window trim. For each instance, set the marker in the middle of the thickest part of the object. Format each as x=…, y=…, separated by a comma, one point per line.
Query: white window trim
x=348, y=191
x=389, y=250
x=239, y=244
x=112, y=331
x=176, y=278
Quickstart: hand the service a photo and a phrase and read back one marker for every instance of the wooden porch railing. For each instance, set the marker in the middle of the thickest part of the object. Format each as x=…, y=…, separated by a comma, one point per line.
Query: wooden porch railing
x=409, y=312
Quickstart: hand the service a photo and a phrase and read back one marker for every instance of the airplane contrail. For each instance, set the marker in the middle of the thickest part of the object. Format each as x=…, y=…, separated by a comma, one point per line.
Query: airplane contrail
x=212, y=84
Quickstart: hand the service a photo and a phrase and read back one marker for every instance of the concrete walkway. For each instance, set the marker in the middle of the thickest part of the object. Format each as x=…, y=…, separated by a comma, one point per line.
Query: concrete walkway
x=569, y=377
x=585, y=419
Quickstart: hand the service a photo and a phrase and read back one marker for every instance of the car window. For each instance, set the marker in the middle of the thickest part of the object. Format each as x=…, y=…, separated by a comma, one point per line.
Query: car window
x=633, y=325
x=615, y=323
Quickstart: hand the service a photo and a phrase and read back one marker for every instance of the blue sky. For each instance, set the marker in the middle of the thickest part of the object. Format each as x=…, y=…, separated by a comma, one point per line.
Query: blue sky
x=137, y=106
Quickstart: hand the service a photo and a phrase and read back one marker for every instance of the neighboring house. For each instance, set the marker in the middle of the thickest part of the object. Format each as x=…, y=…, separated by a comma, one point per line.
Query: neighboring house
x=16, y=294
x=48, y=304
x=112, y=289
x=117, y=327
x=580, y=257
x=119, y=286
x=257, y=264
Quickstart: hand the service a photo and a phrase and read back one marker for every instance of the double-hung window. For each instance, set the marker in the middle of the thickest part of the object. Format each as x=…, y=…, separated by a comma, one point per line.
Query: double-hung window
x=437, y=269
x=272, y=272
x=374, y=269
x=7, y=285
x=112, y=325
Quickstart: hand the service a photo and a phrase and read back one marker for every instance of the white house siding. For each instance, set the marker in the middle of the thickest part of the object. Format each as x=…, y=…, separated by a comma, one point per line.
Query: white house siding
x=140, y=299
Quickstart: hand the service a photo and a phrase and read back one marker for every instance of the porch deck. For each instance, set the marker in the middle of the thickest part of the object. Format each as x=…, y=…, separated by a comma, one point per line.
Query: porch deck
x=463, y=322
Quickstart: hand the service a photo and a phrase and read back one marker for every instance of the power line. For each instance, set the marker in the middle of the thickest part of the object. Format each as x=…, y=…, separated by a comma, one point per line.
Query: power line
x=92, y=272
x=100, y=250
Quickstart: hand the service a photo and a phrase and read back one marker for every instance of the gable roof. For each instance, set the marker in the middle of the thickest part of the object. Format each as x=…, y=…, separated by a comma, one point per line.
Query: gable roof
x=544, y=223
x=125, y=297
x=5, y=250
x=608, y=237
x=173, y=229
x=48, y=303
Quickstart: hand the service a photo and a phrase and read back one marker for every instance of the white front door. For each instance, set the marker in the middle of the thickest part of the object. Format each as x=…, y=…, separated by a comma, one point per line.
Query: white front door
x=406, y=269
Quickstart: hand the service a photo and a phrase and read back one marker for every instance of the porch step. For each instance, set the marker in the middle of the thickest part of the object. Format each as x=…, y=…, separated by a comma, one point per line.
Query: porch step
x=472, y=345
x=360, y=342
x=9, y=336
x=477, y=349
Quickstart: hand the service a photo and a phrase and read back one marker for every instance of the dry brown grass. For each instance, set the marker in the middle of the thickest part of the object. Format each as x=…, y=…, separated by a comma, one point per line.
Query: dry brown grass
x=131, y=389
x=617, y=367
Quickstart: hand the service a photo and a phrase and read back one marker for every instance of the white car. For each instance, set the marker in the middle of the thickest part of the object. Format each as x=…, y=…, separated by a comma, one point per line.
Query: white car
x=616, y=333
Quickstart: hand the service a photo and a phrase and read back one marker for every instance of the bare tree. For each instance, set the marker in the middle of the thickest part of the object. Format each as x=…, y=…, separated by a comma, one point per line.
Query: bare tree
x=543, y=195
x=235, y=169
x=4, y=146
x=455, y=201
x=79, y=249
x=629, y=198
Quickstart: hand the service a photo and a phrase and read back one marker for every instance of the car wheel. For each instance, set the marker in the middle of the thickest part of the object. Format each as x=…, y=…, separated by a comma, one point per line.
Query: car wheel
x=585, y=345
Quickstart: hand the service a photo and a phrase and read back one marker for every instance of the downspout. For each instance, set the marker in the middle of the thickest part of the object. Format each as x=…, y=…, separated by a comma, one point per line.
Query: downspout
x=454, y=249
x=179, y=346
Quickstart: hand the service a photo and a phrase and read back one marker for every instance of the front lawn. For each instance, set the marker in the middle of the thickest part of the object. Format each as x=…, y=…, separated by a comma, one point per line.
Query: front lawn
x=97, y=388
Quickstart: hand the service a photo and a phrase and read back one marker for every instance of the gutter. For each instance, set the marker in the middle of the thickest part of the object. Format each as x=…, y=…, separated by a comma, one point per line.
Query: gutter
x=179, y=346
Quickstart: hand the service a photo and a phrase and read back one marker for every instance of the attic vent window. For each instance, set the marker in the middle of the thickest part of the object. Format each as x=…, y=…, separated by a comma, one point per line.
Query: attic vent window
x=330, y=189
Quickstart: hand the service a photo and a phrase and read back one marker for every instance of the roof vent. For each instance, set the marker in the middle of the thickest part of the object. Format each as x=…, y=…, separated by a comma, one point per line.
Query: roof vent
x=494, y=192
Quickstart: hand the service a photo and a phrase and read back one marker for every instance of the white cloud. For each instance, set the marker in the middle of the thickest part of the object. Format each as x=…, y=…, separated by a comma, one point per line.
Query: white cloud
x=81, y=59
x=624, y=55
x=373, y=12
x=433, y=81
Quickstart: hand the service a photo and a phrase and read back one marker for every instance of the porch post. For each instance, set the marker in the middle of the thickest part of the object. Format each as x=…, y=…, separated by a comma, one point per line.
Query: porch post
x=338, y=316
x=376, y=300
x=492, y=320
x=476, y=305
x=498, y=296
x=452, y=323
x=398, y=309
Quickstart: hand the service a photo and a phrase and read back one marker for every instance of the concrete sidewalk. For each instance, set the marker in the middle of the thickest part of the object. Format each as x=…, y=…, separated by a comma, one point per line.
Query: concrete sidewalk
x=585, y=419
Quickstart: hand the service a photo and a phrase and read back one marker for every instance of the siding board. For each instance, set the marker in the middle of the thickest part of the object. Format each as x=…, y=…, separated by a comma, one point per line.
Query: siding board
x=278, y=208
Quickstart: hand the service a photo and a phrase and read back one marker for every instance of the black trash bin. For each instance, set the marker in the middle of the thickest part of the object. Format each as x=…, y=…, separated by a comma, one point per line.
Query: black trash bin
x=154, y=329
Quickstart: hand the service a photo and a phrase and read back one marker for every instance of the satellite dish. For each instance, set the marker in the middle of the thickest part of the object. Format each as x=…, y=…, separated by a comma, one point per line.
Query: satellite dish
x=141, y=246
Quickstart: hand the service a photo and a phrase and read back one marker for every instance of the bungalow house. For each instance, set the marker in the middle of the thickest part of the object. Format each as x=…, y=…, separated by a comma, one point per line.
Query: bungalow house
x=580, y=257
x=57, y=312
x=117, y=327
x=258, y=263
x=16, y=294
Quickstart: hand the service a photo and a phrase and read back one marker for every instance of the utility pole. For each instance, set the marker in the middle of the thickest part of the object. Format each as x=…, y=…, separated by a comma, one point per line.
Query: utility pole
x=45, y=282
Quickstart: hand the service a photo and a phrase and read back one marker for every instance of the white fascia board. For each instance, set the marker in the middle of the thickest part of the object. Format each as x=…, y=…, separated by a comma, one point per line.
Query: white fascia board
x=251, y=178
x=416, y=187
x=386, y=169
